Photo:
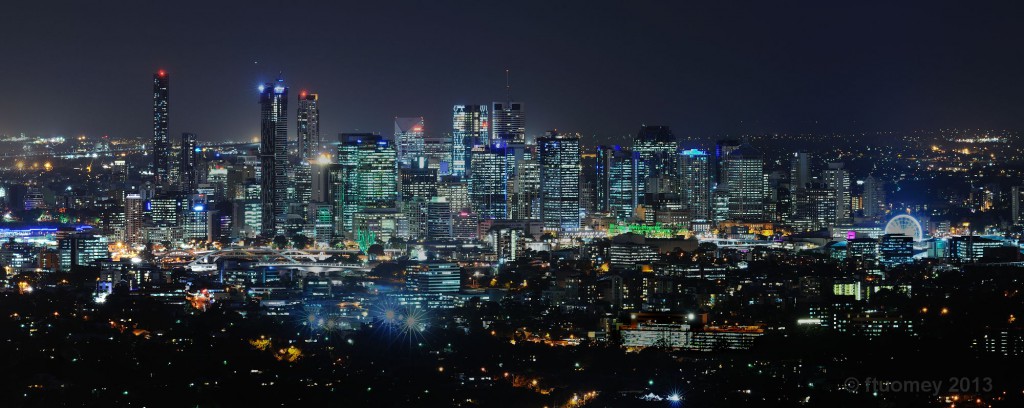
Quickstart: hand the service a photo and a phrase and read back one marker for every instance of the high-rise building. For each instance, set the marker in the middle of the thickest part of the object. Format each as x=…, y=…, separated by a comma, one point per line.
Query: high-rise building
x=80, y=249
x=455, y=191
x=367, y=177
x=814, y=207
x=409, y=140
x=161, y=140
x=418, y=185
x=469, y=128
x=488, y=182
x=722, y=150
x=523, y=182
x=656, y=147
x=439, y=219
x=616, y=181
x=743, y=169
x=133, y=212
x=188, y=160
x=378, y=175
x=308, y=126
x=799, y=170
x=559, y=157
x=838, y=179
x=438, y=151
x=274, y=153
x=508, y=122
x=695, y=183
x=1016, y=199
x=874, y=197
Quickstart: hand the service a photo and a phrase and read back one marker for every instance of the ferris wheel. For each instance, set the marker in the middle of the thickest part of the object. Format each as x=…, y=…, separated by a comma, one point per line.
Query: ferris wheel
x=906, y=225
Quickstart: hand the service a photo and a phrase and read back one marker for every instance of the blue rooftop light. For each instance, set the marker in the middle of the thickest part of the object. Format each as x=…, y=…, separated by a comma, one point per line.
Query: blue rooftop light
x=198, y=207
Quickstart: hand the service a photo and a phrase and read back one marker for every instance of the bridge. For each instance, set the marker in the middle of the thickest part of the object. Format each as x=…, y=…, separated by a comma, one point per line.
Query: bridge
x=302, y=261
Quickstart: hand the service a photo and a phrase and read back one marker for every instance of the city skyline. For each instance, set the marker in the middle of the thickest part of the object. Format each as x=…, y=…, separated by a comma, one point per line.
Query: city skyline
x=763, y=70
x=558, y=204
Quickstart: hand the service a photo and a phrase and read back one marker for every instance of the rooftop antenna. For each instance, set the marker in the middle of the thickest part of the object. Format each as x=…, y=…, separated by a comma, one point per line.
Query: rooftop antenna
x=508, y=90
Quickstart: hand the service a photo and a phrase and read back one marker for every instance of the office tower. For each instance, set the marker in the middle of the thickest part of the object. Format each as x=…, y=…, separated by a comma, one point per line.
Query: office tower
x=523, y=182
x=695, y=183
x=874, y=197
x=488, y=183
x=588, y=183
x=895, y=249
x=273, y=154
x=799, y=170
x=838, y=179
x=347, y=196
x=321, y=189
x=1016, y=198
x=302, y=185
x=438, y=151
x=469, y=128
x=321, y=216
x=439, y=219
x=188, y=161
x=722, y=150
x=367, y=179
x=455, y=191
x=80, y=249
x=508, y=122
x=308, y=126
x=133, y=207
x=409, y=140
x=418, y=181
x=656, y=147
x=197, y=219
x=616, y=181
x=161, y=141
x=418, y=185
x=252, y=210
x=743, y=169
x=378, y=175
x=814, y=207
x=559, y=157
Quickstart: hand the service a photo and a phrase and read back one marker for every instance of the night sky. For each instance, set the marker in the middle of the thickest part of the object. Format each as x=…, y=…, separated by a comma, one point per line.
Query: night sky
x=599, y=68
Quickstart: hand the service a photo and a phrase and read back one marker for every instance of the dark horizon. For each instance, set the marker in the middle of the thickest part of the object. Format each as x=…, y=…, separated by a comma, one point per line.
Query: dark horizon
x=704, y=70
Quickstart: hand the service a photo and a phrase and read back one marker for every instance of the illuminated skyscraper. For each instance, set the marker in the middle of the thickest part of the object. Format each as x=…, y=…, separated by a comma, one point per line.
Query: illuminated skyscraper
x=274, y=153
x=559, y=181
x=188, y=159
x=743, y=169
x=838, y=179
x=722, y=150
x=133, y=211
x=308, y=126
x=368, y=178
x=616, y=181
x=508, y=122
x=469, y=128
x=695, y=183
x=488, y=182
x=656, y=147
x=409, y=140
x=161, y=141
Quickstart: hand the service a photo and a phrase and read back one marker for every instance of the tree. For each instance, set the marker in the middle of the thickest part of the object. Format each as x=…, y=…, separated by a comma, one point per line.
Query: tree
x=300, y=241
x=280, y=242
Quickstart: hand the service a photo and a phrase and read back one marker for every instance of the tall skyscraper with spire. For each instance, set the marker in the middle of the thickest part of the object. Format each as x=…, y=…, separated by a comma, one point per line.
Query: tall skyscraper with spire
x=273, y=153
x=508, y=118
x=161, y=142
x=308, y=125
